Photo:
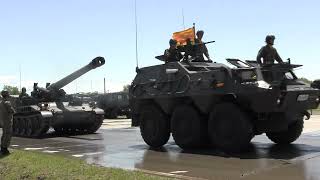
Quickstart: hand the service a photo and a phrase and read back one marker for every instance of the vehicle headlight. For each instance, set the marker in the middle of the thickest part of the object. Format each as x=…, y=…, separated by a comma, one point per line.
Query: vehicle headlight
x=303, y=97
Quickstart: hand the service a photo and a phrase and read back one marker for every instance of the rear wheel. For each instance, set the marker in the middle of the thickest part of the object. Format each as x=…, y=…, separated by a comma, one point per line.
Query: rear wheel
x=188, y=127
x=290, y=135
x=154, y=127
x=230, y=128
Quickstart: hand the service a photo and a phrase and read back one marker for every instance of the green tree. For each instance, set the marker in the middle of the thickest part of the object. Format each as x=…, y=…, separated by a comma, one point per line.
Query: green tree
x=13, y=90
x=126, y=88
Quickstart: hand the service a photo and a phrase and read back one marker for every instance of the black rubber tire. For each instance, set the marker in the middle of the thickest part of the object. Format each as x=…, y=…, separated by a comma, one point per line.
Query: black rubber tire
x=154, y=126
x=113, y=114
x=135, y=121
x=286, y=137
x=189, y=129
x=230, y=128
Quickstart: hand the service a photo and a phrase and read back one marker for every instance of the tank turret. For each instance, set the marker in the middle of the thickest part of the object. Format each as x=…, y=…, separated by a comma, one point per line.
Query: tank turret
x=54, y=92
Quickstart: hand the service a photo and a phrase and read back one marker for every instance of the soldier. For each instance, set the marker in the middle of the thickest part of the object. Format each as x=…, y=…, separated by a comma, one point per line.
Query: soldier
x=268, y=52
x=23, y=93
x=172, y=54
x=201, y=48
x=6, y=115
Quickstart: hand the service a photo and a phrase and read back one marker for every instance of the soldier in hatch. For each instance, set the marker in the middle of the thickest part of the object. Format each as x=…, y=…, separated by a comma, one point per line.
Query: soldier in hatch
x=268, y=53
x=23, y=93
x=201, y=48
x=172, y=54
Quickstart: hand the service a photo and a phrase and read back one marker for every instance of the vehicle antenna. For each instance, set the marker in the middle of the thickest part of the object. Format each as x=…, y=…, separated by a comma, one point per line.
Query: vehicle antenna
x=184, y=27
x=136, y=26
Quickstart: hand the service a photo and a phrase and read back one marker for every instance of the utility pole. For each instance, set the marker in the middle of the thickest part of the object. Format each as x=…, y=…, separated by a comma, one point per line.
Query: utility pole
x=104, y=85
x=20, y=77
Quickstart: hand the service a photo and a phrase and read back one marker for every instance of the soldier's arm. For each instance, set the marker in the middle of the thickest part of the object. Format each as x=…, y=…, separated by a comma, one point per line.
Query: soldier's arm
x=9, y=107
x=259, y=56
x=278, y=58
x=206, y=53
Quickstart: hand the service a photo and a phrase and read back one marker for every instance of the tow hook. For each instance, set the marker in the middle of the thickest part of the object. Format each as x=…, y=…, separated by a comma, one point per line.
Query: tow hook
x=307, y=114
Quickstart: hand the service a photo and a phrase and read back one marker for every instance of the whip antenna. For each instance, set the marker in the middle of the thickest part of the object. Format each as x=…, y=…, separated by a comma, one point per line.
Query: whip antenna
x=136, y=24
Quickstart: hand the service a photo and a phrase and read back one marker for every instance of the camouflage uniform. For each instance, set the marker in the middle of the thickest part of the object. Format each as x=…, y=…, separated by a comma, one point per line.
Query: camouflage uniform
x=269, y=54
x=172, y=54
x=200, y=50
x=23, y=93
x=6, y=116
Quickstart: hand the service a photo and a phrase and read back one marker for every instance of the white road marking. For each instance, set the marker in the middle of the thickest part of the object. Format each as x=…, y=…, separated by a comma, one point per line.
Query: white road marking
x=86, y=154
x=178, y=172
x=33, y=149
x=47, y=151
x=14, y=145
x=78, y=155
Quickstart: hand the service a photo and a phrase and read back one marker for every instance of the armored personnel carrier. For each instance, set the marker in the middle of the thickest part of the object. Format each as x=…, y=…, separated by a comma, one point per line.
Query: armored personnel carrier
x=205, y=103
x=46, y=107
x=316, y=84
x=114, y=104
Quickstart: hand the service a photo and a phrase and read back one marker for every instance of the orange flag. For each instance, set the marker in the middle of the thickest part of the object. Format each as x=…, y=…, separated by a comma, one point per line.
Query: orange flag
x=182, y=36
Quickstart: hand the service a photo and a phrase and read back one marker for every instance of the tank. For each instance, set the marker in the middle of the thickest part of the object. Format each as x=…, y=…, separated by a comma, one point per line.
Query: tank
x=115, y=104
x=48, y=107
x=211, y=104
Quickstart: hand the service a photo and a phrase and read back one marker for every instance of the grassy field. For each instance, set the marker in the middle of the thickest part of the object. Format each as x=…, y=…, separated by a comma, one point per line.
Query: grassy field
x=40, y=166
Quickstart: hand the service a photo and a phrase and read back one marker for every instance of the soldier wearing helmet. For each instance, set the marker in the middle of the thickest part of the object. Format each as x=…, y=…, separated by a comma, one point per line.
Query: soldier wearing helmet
x=6, y=116
x=23, y=93
x=201, y=48
x=172, y=54
x=268, y=53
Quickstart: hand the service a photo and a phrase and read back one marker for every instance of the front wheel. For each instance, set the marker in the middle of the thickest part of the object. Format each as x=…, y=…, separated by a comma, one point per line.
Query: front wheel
x=154, y=126
x=290, y=135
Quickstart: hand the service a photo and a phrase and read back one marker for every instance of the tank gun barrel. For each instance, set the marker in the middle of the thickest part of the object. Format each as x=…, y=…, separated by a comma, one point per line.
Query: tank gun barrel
x=96, y=62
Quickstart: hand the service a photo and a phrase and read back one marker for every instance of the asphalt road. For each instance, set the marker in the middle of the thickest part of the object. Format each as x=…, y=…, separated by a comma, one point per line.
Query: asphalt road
x=118, y=145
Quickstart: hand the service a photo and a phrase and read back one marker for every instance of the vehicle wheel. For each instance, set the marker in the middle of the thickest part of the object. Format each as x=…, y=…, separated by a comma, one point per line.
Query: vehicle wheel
x=154, y=127
x=229, y=128
x=288, y=136
x=135, y=121
x=188, y=129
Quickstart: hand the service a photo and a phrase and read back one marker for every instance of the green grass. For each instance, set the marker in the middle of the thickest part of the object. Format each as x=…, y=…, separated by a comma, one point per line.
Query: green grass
x=32, y=165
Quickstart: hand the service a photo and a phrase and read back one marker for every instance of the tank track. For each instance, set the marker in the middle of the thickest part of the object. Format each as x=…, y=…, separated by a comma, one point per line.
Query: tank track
x=67, y=130
x=33, y=125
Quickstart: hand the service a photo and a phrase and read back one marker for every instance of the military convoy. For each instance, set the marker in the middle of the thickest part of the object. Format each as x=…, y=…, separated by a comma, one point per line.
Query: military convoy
x=46, y=107
x=204, y=103
x=114, y=104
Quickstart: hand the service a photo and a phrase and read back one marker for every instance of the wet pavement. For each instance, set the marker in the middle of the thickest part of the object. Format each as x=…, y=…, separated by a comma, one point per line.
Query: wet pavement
x=118, y=145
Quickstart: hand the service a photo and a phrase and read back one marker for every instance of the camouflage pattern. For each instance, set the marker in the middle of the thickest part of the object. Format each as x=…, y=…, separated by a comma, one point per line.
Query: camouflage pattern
x=172, y=55
x=269, y=54
x=201, y=50
x=6, y=115
x=23, y=93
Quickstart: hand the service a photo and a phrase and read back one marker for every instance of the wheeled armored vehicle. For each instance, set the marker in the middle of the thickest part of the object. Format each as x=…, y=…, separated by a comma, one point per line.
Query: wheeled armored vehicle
x=114, y=104
x=205, y=103
x=47, y=107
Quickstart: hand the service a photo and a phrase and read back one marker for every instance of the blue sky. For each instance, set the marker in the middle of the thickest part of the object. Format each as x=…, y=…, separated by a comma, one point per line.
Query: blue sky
x=50, y=39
